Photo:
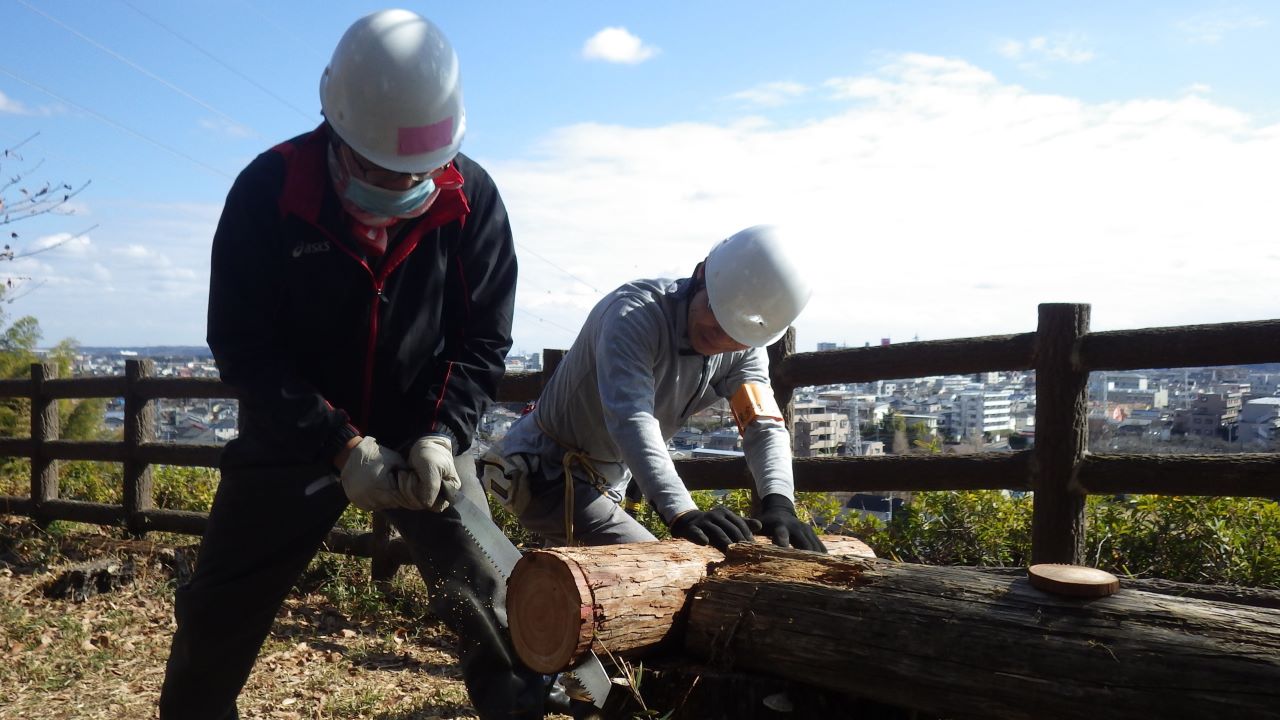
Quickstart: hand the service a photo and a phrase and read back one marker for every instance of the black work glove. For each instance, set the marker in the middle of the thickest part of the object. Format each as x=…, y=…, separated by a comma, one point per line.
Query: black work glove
x=718, y=526
x=778, y=517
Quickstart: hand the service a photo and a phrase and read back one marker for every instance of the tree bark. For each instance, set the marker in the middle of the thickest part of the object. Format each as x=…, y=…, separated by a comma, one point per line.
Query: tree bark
x=620, y=599
x=962, y=643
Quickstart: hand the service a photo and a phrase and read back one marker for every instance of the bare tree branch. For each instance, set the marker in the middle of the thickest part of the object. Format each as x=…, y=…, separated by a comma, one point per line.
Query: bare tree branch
x=27, y=202
x=40, y=202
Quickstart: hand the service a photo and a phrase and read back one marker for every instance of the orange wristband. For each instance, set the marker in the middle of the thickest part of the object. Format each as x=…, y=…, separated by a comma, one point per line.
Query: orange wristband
x=752, y=402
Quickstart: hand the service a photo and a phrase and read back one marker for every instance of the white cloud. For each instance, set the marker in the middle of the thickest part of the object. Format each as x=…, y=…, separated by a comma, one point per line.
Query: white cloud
x=1209, y=28
x=771, y=94
x=220, y=126
x=116, y=289
x=933, y=199
x=617, y=45
x=11, y=106
x=65, y=243
x=1066, y=48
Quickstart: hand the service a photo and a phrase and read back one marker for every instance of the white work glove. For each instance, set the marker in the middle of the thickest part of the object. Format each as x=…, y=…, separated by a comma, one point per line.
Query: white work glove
x=431, y=458
x=377, y=478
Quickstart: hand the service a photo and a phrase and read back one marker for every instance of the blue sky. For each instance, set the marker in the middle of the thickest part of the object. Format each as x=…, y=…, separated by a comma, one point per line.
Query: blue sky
x=947, y=166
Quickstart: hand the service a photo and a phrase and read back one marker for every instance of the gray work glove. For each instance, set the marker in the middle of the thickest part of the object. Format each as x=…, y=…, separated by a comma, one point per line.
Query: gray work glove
x=377, y=478
x=431, y=458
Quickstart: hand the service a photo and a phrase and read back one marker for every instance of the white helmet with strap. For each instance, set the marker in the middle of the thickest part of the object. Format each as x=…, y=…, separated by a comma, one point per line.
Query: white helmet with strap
x=393, y=93
x=754, y=286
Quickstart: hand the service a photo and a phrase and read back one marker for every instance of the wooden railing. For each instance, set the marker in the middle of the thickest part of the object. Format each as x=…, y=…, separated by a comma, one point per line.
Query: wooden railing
x=1059, y=469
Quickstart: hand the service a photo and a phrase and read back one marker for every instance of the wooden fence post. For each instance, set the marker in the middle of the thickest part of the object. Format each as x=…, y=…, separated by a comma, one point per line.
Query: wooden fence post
x=778, y=353
x=782, y=393
x=45, y=426
x=550, y=361
x=139, y=428
x=1062, y=397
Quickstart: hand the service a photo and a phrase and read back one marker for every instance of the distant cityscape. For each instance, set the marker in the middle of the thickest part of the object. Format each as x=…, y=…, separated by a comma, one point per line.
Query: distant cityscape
x=1232, y=409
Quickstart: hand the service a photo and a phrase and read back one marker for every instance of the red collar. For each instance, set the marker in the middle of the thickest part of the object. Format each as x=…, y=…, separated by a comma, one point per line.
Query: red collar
x=306, y=183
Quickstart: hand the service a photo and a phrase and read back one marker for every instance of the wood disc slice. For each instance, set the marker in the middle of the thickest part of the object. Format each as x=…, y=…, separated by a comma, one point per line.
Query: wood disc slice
x=1072, y=580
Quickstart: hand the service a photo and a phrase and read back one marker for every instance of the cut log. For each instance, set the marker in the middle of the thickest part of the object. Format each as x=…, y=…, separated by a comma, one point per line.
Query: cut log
x=962, y=643
x=621, y=599
x=951, y=642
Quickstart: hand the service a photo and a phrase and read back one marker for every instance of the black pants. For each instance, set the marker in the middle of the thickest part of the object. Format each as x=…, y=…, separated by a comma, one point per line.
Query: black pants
x=263, y=531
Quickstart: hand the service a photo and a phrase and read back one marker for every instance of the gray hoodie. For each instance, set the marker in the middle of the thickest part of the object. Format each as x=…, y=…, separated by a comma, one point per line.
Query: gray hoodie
x=629, y=383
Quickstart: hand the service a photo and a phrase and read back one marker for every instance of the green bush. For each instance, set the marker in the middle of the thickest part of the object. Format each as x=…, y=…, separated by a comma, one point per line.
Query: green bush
x=1233, y=541
x=99, y=482
x=980, y=527
x=15, y=476
x=184, y=488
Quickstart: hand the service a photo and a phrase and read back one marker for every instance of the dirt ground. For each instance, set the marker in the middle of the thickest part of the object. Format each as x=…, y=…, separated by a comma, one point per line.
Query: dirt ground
x=103, y=656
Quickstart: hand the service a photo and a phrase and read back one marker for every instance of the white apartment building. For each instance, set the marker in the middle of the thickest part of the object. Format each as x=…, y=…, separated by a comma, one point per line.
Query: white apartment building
x=982, y=411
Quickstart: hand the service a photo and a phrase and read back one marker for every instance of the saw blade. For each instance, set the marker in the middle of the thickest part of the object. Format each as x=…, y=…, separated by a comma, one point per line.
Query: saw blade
x=592, y=681
x=496, y=547
x=574, y=688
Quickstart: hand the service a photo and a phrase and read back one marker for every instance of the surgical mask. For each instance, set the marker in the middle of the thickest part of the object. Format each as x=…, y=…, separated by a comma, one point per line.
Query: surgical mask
x=375, y=206
x=388, y=203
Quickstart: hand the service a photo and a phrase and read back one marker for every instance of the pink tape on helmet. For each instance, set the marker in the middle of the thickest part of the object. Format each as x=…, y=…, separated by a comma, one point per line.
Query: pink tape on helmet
x=425, y=138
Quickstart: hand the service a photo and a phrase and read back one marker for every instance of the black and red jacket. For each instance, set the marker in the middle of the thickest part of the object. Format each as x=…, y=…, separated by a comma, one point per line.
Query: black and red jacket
x=321, y=343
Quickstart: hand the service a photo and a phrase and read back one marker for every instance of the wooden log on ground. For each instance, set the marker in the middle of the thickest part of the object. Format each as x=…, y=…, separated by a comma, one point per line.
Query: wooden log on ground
x=962, y=643
x=623, y=599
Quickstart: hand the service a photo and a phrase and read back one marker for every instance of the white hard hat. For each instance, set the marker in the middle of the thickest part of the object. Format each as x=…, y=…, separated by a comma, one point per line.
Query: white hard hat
x=392, y=92
x=754, y=286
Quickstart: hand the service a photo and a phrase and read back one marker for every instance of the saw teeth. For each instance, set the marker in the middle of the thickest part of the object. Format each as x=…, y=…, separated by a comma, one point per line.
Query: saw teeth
x=480, y=546
x=574, y=688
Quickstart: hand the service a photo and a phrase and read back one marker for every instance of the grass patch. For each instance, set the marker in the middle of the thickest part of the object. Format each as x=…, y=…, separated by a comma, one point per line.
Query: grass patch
x=338, y=649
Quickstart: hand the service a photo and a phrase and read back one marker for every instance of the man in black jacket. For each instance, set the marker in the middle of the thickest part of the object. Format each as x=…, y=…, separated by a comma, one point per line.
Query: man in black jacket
x=361, y=292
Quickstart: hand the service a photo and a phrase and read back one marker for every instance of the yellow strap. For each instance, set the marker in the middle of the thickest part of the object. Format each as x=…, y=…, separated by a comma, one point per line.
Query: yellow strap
x=751, y=402
x=593, y=476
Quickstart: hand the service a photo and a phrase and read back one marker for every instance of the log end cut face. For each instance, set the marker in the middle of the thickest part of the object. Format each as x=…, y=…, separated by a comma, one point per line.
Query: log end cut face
x=551, y=611
x=1072, y=580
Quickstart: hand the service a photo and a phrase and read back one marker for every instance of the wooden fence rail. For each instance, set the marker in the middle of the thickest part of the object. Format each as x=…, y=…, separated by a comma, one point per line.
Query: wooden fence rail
x=1059, y=469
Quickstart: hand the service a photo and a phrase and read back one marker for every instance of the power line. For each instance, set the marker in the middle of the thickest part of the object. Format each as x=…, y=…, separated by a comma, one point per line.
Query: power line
x=133, y=64
x=529, y=250
x=62, y=159
x=239, y=74
x=108, y=121
x=229, y=68
x=280, y=28
x=549, y=322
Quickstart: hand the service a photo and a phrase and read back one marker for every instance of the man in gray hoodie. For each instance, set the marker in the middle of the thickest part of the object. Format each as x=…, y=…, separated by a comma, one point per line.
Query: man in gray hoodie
x=652, y=354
